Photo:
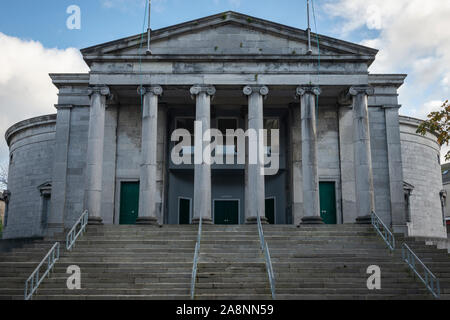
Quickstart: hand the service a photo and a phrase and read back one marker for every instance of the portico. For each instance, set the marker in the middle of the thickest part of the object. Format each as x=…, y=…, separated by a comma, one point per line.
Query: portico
x=230, y=72
x=199, y=103
x=334, y=151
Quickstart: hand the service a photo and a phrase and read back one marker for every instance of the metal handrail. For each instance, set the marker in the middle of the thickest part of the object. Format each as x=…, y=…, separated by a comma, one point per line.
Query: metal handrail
x=73, y=234
x=196, y=256
x=429, y=279
x=384, y=232
x=265, y=249
x=33, y=282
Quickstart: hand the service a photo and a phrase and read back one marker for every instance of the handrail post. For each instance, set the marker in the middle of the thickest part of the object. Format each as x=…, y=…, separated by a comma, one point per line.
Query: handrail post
x=385, y=234
x=73, y=235
x=196, y=255
x=265, y=250
x=35, y=279
x=429, y=279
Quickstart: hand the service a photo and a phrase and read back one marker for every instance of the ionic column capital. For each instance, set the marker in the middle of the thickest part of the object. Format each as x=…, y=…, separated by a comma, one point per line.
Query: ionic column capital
x=367, y=90
x=262, y=90
x=102, y=90
x=154, y=90
x=301, y=91
x=197, y=89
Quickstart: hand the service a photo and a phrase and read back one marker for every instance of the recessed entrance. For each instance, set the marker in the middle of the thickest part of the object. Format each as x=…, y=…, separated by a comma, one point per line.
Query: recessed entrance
x=226, y=212
x=184, y=210
x=129, y=202
x=328, y=202
x=270, y=210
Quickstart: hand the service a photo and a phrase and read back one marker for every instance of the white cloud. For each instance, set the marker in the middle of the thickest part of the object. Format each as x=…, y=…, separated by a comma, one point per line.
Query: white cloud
x=26, y=89
x=414, y=37
x=427, y=108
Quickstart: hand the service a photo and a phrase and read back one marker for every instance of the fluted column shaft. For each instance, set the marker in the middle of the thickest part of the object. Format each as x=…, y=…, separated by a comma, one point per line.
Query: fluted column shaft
x=94, y=165
x=202, y=175
x=310, y=167
x=365, y=198
x=256, y=181
x=147, y=188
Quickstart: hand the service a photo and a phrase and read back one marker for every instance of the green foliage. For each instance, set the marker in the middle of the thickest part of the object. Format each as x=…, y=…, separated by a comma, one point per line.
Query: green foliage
x=438, y=122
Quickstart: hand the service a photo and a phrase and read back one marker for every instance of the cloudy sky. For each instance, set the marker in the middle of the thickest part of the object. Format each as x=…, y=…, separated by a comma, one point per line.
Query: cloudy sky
x=413, y=37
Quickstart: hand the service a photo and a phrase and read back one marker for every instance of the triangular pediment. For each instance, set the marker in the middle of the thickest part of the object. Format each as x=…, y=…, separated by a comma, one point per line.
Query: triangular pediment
x=228, y=33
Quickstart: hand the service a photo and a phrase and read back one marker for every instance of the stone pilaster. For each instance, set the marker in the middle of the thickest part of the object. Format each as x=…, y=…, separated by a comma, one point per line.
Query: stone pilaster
x=55, y=221
x=202, y=175
x=148, y=186
x=394, y=148
x=94, y=164
x=310, y=167
x=256, y=184
x=365, y=198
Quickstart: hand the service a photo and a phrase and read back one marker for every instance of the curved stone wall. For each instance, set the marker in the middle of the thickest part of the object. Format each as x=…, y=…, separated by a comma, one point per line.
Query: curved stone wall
x=422, y=169
x=31, y=144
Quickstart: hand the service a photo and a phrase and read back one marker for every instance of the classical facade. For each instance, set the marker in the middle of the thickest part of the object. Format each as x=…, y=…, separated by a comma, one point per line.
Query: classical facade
x=343, y=151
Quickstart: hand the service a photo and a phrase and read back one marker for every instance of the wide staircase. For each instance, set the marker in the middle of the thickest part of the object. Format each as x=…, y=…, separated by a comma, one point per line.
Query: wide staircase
x=231, y=266
x=116, y=262
x=142, y=262
x=331, y=262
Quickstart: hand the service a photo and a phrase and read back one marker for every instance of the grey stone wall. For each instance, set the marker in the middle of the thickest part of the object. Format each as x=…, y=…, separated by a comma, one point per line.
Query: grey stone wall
x=421, y=168
x=31, y=144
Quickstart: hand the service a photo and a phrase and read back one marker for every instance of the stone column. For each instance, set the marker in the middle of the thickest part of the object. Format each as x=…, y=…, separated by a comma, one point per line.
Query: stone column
x=94, y=165
x=147, y=189
x=202, y=176
x=256, y=184
x=347, y=163
x=365, y=199
x=296, y=164
x=310, y=167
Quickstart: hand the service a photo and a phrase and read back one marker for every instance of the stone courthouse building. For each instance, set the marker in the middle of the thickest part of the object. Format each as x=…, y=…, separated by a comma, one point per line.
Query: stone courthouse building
x=343, y=149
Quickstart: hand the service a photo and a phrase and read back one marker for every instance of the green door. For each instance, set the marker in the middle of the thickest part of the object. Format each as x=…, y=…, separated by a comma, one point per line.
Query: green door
x=328, y=202
x=270, y=210
x=184, y=209
x=226, y=212
x=129, y=202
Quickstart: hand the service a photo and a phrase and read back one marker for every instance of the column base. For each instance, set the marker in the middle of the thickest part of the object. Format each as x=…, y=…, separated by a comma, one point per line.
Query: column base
x=364, y=220
x=254, y=220
x=312, y=220
x=204, y=221
x=147, y=221
x=95, y=221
